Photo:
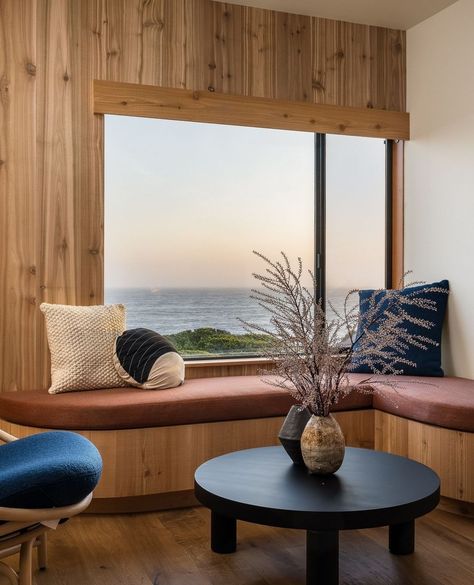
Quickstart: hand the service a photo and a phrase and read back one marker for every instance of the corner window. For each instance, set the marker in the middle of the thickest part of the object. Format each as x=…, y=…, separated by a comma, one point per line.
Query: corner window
x=186, y=203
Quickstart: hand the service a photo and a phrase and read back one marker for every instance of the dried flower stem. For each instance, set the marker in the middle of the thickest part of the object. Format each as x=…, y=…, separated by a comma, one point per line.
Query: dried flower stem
x=313, y=354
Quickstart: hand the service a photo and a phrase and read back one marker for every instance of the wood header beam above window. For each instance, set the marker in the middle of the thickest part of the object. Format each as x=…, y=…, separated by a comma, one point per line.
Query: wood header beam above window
x=129, y=99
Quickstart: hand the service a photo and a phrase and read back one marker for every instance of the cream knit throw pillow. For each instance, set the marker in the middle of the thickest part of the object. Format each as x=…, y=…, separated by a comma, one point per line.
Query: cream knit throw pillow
x=81, y=341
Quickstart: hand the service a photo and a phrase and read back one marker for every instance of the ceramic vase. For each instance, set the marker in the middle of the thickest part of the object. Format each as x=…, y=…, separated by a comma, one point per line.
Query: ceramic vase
x=291, y=431
x=322, y=445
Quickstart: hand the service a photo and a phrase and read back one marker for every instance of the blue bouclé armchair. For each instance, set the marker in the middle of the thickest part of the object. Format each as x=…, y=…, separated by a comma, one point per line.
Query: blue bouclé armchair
x=44, y=478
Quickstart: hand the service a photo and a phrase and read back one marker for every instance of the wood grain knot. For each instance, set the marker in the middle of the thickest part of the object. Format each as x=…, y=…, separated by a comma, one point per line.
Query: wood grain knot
x=66, y=77
x=342, y=127
x=211, y=88
x=30, y=69
x=93, y=252
x=124, y=103
x=340, y=54
x=2, y=162
x=378, y=126
x=370, y=104
x=211, y=65
x=318, y=85
x=4, y=88
x=158, y=23
x=32, y=270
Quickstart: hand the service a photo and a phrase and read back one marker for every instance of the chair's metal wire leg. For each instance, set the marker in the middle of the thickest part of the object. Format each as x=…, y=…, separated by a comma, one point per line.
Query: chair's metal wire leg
x=26, y=562
x=43, y=551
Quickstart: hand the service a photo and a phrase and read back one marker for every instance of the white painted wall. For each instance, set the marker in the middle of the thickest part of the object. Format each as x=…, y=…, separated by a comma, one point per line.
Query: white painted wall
x=439, y=179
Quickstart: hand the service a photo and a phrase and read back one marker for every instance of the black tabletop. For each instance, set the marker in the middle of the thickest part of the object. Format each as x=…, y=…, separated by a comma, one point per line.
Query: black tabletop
x=371, y=488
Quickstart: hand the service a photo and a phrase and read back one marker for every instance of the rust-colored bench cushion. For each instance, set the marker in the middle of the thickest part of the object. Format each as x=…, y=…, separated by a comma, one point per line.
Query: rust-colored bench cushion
x=445, y=402
x=197, y=401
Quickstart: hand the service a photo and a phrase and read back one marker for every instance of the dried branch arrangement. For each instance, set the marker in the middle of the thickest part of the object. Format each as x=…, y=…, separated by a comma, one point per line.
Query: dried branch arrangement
x=313, y=354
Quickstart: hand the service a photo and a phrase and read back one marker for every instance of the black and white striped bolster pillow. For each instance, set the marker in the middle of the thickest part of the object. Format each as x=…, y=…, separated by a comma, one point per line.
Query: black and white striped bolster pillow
x=145, y=359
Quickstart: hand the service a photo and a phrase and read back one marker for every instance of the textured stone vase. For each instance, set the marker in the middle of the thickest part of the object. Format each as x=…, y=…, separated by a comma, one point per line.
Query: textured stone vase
x=322, y=445
x=291, y=431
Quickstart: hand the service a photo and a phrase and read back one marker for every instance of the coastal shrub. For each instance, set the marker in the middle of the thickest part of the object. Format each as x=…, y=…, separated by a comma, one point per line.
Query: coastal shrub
x=207, y=340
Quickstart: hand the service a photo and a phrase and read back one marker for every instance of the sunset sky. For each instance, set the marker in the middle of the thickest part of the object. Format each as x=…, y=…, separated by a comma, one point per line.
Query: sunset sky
x=186, y=203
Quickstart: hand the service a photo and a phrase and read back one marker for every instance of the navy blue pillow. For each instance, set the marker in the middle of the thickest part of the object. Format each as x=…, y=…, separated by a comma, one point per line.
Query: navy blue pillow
x=47, y=470
x=428, y=361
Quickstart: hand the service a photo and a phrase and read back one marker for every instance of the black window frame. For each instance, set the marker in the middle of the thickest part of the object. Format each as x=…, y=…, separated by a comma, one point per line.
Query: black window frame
x=320, y=216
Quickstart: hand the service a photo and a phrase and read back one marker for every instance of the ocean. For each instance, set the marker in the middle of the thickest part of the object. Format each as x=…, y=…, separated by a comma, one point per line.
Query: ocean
x=171, y=310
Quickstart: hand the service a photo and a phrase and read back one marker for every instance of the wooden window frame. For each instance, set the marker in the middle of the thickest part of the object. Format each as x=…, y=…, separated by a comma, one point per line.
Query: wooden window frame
x=127, y=99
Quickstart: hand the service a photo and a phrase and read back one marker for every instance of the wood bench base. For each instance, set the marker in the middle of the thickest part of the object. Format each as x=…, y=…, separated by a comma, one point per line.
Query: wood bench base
x=153, y=468
x=450, y=453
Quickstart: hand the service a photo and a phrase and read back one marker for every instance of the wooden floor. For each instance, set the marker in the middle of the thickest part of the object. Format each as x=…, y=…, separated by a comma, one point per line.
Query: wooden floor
x=172, y=548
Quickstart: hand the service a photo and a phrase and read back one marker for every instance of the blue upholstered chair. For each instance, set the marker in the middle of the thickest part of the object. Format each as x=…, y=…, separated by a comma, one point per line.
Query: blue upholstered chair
x=44, y=478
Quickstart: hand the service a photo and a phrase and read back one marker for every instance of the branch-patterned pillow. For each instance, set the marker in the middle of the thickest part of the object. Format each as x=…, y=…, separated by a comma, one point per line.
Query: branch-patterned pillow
x=145, y=359
x=81, y=341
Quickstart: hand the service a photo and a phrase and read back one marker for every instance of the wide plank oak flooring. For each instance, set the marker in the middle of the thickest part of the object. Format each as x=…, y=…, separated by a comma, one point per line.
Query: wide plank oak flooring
x=172, y=548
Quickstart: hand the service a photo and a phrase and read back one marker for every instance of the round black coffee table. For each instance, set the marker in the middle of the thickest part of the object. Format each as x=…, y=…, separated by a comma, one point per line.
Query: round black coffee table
x=370, y=489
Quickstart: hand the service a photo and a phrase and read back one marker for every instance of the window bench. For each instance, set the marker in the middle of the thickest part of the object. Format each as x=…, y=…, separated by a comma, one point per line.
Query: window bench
x=152, y=441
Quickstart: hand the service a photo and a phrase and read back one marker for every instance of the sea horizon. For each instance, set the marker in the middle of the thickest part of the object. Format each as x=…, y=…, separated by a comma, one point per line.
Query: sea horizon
x=170, y=310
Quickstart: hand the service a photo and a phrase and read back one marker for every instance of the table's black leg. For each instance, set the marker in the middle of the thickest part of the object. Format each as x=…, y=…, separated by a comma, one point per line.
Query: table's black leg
x=322, y=558
x=401, y=538
x=223, y=533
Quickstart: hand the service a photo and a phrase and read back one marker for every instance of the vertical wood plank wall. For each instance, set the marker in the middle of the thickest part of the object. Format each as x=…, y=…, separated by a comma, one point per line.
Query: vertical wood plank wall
x=51, y=144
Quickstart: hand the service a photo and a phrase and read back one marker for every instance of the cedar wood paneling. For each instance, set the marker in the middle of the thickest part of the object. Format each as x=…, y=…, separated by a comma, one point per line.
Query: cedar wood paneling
x=51, y=143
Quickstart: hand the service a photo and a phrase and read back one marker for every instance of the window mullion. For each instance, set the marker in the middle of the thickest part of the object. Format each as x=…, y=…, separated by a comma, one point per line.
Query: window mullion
x=388, y=214
x=320, y=217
